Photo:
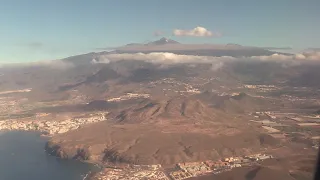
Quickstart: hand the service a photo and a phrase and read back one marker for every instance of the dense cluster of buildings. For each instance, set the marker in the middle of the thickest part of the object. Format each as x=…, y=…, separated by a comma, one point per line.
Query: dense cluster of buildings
x=180, y=174
x=261, y=88
x=51, y=127
x=175, y=86
x=191, y=89
x=193, y=169
x=128, y=96
x=136, y=172
x=182, y=170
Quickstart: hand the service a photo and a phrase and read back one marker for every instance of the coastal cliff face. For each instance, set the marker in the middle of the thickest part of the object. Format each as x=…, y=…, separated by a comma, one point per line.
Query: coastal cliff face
x=83, y=154
x=53, y=148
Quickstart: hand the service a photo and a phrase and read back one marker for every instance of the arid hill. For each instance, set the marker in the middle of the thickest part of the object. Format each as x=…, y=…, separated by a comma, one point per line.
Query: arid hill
x=150, y=144
x=167, y=131
x=178, y=109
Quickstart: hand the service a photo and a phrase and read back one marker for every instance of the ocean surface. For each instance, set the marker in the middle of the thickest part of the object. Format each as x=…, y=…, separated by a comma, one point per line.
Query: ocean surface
x=22, y=157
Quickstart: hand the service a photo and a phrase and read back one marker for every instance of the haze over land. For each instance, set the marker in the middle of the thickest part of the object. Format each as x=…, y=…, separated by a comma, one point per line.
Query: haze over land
x=165, y=102
x=164, y=90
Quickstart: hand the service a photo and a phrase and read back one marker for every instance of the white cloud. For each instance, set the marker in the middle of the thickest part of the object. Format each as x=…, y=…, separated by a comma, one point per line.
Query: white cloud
x=196, y=32
x=161, y=58
x=276, y=57
x=300, y=56
x=216, y=66
x=166, y=58
x=315, y=56
x=312, y=55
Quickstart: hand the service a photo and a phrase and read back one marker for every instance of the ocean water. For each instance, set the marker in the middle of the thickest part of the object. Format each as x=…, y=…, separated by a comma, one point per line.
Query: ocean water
x=22, y=157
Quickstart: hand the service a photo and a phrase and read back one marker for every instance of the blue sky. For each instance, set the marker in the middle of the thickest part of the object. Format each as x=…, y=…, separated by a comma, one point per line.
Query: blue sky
x=32, y=30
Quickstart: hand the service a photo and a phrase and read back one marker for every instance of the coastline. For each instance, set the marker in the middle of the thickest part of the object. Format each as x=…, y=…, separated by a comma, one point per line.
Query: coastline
x=28, y=147
x=47, y=139
x=48, y=129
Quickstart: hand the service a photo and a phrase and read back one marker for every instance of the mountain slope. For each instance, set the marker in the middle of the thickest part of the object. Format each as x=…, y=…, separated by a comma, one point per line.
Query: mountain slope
x=181, y=109
x=149, y=144
x=163, y=41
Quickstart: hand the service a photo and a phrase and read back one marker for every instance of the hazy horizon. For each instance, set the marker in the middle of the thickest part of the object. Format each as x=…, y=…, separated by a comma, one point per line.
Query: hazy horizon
x=60, y=29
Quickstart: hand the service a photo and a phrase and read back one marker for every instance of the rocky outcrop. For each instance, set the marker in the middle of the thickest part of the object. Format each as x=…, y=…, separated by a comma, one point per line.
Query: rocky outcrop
x=54, y=149
x=82, y=154
x=112, y=156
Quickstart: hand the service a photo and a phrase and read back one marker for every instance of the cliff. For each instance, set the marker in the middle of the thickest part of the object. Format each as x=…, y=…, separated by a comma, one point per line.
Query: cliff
x=55, y=149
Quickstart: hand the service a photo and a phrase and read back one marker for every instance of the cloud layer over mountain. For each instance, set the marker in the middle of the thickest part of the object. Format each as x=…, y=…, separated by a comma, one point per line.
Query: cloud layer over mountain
x=164, y=58
x=171, y=58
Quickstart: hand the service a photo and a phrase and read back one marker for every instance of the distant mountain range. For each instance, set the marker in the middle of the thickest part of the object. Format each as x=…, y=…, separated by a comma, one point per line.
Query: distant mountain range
x=172, y=112
x=277, y=48
x=162, y=41
x=172, y=46
x=312, y=50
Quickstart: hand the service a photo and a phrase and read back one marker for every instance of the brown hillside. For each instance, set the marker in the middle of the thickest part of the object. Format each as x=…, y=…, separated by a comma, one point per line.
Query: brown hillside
x=149, y=144
x=178, y=109
x=167, y=131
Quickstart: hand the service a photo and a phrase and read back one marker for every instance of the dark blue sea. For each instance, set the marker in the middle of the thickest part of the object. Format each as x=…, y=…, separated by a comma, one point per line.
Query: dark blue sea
x=22, y=157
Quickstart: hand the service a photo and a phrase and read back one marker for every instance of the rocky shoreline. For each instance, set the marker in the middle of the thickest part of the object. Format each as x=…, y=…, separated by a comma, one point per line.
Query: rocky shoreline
x=81, y=154
x=51, y=128
x=55, y=149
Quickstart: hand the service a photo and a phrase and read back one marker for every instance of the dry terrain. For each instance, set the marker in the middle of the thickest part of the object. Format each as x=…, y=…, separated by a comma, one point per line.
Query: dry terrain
x=144, y=112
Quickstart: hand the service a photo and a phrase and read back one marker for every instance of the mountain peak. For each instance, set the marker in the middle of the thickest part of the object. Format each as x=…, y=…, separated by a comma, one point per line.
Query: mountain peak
x=233, y=45
x=163, y=41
